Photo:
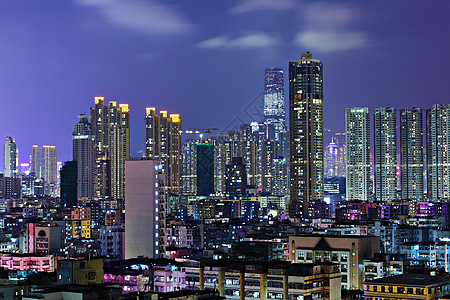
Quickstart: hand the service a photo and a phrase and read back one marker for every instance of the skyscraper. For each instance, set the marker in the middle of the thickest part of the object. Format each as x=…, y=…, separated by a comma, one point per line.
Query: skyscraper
x=69, y=180
x=331, y=160
x=145, y=209
x=49, y=161
x=83, y=141
x=111, y=127
x=9, y=158
x=205, y=169
x=306, y=132
x=274, y=112
x=357, y=122
x=236, y=178
x=438, y=152
x=189, y=167
x=35, y=161
x=385, y=152
x=163, y=140
x=411, y=153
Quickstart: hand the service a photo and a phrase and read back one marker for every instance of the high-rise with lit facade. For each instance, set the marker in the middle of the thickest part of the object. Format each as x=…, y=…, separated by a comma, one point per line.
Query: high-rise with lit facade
x=357, y=122
x=9, y=158
x=49, y=161
x=331, y=160
x=385, y=153
x=163, y=140
x=111, y=127
x=83, y=140
x=306, y=133
x=411, y=153
x=438, y=152
x=274, y=111
x=35, y=161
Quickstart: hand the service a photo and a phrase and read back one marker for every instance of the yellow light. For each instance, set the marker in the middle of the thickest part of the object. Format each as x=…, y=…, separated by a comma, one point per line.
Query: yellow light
x=149, y=109
x=175, y=118
x=163, y=113
x=124, y=108
x=113, y=103
x=98, y=99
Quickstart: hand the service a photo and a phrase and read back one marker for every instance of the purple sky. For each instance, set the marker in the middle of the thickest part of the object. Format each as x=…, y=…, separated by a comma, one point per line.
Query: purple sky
x=206, y=62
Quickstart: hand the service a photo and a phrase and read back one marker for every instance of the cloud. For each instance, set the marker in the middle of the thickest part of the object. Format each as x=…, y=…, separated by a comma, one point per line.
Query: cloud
x=329, y=41
x=250, y=40
x=330, y=27
x=146, y=16
x=251, y=5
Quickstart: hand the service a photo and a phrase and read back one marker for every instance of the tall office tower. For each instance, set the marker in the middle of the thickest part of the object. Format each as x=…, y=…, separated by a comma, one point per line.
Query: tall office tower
x=357, y=122
x=111, y=127
x=69, y=180
x=189, y=167
x=236, y=178
x=306, y=133
x=274, y=112
x=144, y=209
x=411, y=153
x=438, y=152
x=35, y=161
x=49, y=162
x=163, y=140
x=83, y=140
x=385, y=153
x=9, y=158
x=205, y=169
x=331, y=160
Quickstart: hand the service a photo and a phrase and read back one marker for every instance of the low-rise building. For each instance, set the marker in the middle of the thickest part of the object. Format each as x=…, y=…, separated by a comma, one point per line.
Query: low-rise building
x=408, y=286
x=346, y=251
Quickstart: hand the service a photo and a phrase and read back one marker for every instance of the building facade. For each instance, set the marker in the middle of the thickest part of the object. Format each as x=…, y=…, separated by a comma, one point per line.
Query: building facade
x=411, y=153
x=438, y=152
x=144, y=208
x=306, y=133
x=274, y=111
x=357, y=123
x=9, y=158
x=385, y=153
x=83, y=141
x=163, y=140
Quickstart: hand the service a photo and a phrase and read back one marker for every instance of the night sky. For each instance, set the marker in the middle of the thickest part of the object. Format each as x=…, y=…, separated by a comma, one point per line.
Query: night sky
x=205, y=59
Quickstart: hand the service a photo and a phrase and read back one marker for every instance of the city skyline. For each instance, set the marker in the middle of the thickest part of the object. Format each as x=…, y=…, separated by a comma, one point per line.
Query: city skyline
x=139, y=72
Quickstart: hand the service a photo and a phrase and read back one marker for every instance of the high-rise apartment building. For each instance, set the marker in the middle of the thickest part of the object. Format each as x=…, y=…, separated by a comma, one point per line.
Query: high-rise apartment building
x=189, y=167
x=385, y=153
x=306, y=132
x=35, y=161
x=411, y=153
x=144, y=208
x=163, y=140
x=9, y=158
x=111, y=127
x=438, y=152
x=236, y=178
x=274, y=111
x=357, y=123
x=83, y=140
x=49, y=164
